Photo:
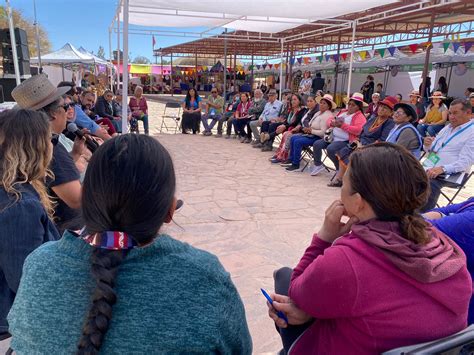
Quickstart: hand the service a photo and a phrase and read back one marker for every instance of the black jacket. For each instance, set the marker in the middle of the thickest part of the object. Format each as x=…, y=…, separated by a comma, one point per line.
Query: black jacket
x=103, y=109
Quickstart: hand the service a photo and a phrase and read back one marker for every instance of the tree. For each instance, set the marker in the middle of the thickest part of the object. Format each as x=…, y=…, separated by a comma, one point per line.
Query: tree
x=101, y=52
x=141, y=60
x=27, y=25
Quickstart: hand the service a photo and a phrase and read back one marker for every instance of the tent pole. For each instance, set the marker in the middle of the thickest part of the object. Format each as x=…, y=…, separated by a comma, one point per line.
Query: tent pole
x=125, y=67
x=349, y=79
x=290, y=70
x=62, y=67
x=118, y=52
x=427, y=60
x=281, y=67
x=13, y=43
x=449, y=76
x=337, y=65
x=196, y=70
x=224, y=91
x=251, y=75
x=235, y=68
x=109, y=69
x=38, y=47
x=171, y=75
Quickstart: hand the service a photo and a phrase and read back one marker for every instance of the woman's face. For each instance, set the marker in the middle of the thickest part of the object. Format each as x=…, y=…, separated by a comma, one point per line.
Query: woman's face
x=352, y=107
x=375, y=99
x=70, y=110
x=399, y=98
x=295, y=102
x=59, y=118
x=192, y=93
x=109, y=97
x=400, y=117
x=471, y=100
x=384, y=111
x=437, y=102
x=323, y=106
x=306, y=74
x=138, y=91
x=310, y=103
x=243, y=98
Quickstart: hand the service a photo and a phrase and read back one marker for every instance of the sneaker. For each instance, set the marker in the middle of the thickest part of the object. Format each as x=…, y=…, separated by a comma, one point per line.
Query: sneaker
x=275, y=161
x=264, y=137
x=287, y=161
x=258, y=145
x=206, y=133
x=285, y=164
x=267, y=148
x=248, y=140
x=293, y=167
x=316, y=170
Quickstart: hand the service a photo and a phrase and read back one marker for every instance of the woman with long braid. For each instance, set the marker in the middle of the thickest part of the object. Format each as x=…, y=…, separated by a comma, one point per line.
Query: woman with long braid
x=119, y=286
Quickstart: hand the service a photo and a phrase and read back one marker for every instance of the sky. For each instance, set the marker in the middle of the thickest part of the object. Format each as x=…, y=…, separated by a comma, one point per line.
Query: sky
x=85, y=23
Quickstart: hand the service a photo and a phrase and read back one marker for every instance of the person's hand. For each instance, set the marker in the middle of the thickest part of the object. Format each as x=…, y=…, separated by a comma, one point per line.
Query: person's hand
x=433, y=215
x=333, y=227
x=283, y=303
x=79, y=147
x=428, y=141
x=280, y=129
x=338, y=123
x=307, y=130
x=421, y=121
x=433, y=173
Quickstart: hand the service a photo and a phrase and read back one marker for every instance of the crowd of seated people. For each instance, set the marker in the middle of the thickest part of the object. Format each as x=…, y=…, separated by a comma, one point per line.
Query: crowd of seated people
x=56, y=181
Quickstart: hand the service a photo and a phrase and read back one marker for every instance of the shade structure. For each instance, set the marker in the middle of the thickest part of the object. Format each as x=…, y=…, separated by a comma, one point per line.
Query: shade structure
x=261, y=16
x=217, y=68
x=97, y=59
x=68, y=54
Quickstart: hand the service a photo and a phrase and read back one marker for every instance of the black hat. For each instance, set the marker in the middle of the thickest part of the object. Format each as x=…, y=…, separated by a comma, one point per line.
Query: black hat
x=410, y=108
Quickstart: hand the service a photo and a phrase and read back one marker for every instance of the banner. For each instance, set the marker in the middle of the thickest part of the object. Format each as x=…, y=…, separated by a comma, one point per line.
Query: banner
x=413, y=47
x=467, y=46
x=446, y=46
x=344, y=56
x=363, y=54
x=335, y=57
x=300, y=59
x=140, y=69
x=392, y=50
x=270, y=65
x=307, y=60
x=320, y=58
x=258, y=66
x=277, y=66
x=456, y=46
x=327, y=57
x=381, y=51
x=292, y=61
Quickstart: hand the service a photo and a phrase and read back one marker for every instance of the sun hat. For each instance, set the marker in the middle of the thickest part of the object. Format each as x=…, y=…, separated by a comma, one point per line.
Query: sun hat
x=415, y=93
x=357, y=96
x=410, y=108
x=375, y=94
x=329, y=99
x=471, y=95
x=437, y=95
x=272, y=92
x=286, y=91
x=389, y=101
x=37, y=92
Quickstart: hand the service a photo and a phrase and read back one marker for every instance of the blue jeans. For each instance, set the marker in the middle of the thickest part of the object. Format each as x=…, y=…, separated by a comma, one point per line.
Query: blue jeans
x=432, y=130
x=296, y=146
x=144, y=118
x=117, y=125
x=214, y=118
x=239, y=126
x=331, y=150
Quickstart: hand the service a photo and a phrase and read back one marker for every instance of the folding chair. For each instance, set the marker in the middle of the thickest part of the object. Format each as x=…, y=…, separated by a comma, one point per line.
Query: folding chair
x=457, y=188
x=308, y=151
x=459, y=343
x=173, y=112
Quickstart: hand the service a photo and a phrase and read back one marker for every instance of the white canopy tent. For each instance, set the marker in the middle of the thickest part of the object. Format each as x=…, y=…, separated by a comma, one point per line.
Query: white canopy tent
x=68, y=54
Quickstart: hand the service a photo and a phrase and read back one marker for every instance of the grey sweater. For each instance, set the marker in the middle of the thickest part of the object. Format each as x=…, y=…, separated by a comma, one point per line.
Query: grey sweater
x=172, y=299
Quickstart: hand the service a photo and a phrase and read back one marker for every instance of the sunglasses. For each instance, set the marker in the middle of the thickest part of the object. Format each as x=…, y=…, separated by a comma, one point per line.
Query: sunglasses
x=67, y=106
x=54, y=138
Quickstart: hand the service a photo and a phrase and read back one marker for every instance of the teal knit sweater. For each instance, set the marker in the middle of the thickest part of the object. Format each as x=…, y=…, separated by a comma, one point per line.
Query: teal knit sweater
x=172, y=299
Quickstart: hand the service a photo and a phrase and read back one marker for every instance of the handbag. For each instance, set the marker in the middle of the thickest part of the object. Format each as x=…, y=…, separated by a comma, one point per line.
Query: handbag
x=329, y=135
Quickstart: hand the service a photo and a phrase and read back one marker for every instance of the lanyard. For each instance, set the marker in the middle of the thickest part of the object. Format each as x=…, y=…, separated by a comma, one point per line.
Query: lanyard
x=451, y=138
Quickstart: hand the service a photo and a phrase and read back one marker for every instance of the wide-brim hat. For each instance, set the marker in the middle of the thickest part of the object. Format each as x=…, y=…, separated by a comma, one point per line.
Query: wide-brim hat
x=329, y=99
x=389, y=101
x=37, y=92
x=410, y=108
x=437, y=95
x=415, y=93
x=357, y=96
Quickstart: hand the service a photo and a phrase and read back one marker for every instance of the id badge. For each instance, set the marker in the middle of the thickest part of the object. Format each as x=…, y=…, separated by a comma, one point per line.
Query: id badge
x=431, y=160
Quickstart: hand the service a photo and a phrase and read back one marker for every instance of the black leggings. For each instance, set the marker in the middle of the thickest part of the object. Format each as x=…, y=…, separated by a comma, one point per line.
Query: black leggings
x=289, y=334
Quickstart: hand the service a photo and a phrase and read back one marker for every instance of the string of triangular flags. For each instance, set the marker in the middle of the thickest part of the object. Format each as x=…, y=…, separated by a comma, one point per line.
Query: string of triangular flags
x=366, y=54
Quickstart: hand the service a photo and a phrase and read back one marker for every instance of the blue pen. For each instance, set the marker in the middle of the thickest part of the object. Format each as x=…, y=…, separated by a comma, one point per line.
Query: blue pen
x=279, y=313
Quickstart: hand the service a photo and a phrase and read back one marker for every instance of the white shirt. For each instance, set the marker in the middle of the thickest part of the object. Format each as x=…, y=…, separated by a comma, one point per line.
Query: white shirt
x=339, y=134
x=458, y=154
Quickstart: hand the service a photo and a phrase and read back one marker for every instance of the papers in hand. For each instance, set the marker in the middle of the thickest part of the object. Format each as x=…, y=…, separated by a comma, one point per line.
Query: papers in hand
x=457, y=178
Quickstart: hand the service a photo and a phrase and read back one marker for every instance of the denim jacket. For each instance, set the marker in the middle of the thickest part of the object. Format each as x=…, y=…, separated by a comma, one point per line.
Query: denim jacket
x=24, y=226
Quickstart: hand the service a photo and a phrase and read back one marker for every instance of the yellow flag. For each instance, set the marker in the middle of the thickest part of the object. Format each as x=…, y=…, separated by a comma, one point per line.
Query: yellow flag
x=363, y=54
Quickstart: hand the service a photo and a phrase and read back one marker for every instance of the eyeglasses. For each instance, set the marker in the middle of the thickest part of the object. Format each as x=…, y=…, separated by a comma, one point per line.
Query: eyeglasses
x=213, y=92
x=67, y=106
x=398, y=113
x=54, y=138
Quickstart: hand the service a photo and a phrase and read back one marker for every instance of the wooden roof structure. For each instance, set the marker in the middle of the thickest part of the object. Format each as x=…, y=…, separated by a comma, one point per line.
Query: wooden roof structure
x=396, y=22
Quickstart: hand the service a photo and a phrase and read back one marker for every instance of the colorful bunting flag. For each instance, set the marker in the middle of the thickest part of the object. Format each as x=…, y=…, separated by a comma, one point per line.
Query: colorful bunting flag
x=335, y=57
x=392, y=50
x=270, y=65
x=381, y=51
x=363, y=54
x=264, y=66
x=344, y=56
x=446, y=46
x=277, y=66
x=300, y=60
x=456, y=46
x=371, y=53
x=307, y=60
x=413, y=47
x=327, y=57
x=292, y=61
x=258, y=66
x=467, y=46
x=320, y=58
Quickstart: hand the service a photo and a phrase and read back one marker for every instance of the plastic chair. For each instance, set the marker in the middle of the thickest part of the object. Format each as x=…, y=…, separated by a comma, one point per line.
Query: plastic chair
x=459, y=343
x=172, y=111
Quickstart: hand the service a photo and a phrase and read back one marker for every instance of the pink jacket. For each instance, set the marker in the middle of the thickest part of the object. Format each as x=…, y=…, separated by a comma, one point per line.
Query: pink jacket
x=357, y=123
x=362, y=301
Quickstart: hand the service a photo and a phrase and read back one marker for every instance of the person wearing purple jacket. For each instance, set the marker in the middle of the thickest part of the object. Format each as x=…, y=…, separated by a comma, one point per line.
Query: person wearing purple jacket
x=457, y=221
x=382, y=278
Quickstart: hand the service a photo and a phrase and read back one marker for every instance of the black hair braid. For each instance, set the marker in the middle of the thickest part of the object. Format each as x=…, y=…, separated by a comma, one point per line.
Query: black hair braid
x=105, y=265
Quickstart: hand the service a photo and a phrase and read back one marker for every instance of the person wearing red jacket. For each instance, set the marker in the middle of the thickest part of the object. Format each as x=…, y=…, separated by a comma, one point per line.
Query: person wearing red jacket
x=344, y=129
x=383, y=278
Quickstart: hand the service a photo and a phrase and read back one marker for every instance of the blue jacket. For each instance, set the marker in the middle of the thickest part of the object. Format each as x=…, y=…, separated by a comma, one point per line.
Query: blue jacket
x=24, y=227
x=458, y=224
x=84, y=121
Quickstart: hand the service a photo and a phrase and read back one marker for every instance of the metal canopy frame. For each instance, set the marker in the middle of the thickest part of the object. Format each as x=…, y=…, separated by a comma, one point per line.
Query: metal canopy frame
x=409, y=20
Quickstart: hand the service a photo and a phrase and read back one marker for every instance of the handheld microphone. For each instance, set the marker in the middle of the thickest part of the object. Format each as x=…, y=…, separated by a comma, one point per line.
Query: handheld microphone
x=90, y=143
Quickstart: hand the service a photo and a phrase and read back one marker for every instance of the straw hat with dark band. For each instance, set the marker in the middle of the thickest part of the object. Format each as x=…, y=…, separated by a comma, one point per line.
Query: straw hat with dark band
x=37, y=92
